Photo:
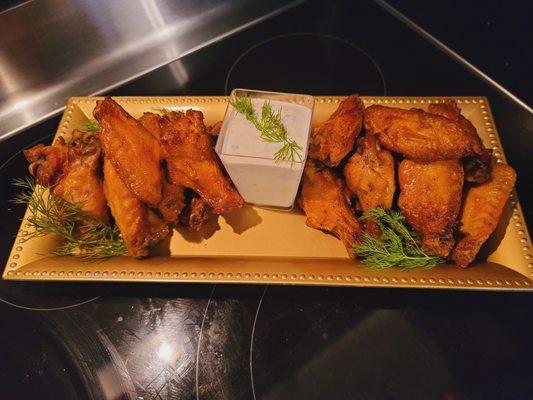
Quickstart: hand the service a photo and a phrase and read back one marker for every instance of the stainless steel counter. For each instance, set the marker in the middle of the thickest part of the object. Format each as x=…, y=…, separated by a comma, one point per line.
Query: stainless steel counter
x=51, y=50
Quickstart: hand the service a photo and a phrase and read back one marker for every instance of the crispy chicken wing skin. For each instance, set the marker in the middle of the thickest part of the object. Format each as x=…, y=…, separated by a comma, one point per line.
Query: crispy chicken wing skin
x=323, y=199
x=140, y=228
x=47, y=163
x=173, y=199
x=192, y=162
x=72, y=170
x=430, y=199
x=419, y=135
x=132, y=150
x=482, y=208
x=81, y=182
x=369, y=175
x=334, y=139
x=477, y=167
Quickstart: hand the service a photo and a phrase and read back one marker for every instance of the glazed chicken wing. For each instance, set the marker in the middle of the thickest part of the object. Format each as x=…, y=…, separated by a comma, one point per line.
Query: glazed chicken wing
x=47, y=163
x=140, y=227
x=482, y=208
x=369, y=175
x=192, y=162
x=323, y=199
x=132, y=150
x=477, y=167
x=334, y=139
x=72, y=169
x=430, y=199
x=419, y=135
x=173, y=199
x=196, y=213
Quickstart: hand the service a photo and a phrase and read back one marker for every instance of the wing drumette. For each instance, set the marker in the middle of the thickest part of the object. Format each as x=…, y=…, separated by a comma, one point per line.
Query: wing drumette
x=324, y=200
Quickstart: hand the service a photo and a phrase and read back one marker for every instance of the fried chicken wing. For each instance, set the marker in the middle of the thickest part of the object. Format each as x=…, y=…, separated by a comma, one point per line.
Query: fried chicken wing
x=482, y=207
x=419, y=135
x=369, y=175
x=214, y=130
x=72, y=170
x=81, y=182
x=173, y=199
x=192, y=162
x=196, y=213
x=139, y=226
x=132, y=150
x=430, y=199
x=323, y=199
x=477, y=167
x=334, y=139
x=47, y=163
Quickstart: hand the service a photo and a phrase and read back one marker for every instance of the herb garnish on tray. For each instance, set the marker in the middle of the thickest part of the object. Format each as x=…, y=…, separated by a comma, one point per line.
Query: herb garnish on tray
x=271, y=127
x=398, y=246
x=82, y=234
x=89, y=126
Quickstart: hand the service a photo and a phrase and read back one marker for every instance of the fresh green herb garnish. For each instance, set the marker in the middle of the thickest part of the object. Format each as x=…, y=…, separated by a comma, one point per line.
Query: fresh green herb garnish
x=82, y=234
x=161, y=110
x=398, y=245
x=270, y=126
x=91, y=125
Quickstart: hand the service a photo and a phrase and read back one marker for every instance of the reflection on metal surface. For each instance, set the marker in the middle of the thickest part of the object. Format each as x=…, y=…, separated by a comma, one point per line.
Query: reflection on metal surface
x=79, y=47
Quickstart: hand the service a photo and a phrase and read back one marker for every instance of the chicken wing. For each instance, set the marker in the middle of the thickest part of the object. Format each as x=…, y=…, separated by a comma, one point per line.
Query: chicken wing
x=482, y=207
x=192, y=162
x=132, y=150
x=173, y=199
x=196, y=213
x=323, y=199
x=47, y=163
x=419, y=135
x=430, y=199
x=140, y=227
x=369, y=175
x=334, y=139
x=72, y=170
x=477, y=167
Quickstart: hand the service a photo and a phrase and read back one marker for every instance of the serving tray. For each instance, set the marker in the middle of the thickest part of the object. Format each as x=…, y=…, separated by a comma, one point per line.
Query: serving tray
x=257, y=245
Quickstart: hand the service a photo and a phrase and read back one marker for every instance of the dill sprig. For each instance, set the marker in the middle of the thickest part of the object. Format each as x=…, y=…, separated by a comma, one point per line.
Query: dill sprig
x=82, y=234
x=270, y=126
x=397, y=246
x=163, y=111
x=90, y=125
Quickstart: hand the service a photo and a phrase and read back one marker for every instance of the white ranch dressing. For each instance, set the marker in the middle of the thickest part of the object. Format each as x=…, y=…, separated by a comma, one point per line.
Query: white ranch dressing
x=249, y=160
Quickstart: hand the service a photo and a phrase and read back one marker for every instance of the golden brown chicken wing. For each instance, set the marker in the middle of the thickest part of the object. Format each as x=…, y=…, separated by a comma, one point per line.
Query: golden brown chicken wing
x=47, y=163
x=482, y=207
x=323, y=199
x=192, y=162
x=173, y=199
x=334, y=139
x=72, y=170
x=214, y=130
x=132, y=150
x=430, y=199
x=369, y=175
x=419, y=135
x=81, y=182
x=140, y=228
x=477, y=167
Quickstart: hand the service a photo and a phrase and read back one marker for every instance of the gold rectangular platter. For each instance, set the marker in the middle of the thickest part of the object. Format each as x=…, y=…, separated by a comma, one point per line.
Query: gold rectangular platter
x=256, y=245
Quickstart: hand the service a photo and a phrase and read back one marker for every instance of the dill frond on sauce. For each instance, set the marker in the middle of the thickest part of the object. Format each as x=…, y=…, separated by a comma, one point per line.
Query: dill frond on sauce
x=82, y=234
x=271, y=127
x=397, y=246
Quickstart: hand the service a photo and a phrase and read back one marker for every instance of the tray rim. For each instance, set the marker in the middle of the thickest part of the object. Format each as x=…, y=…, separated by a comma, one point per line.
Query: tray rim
x=363, y=278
